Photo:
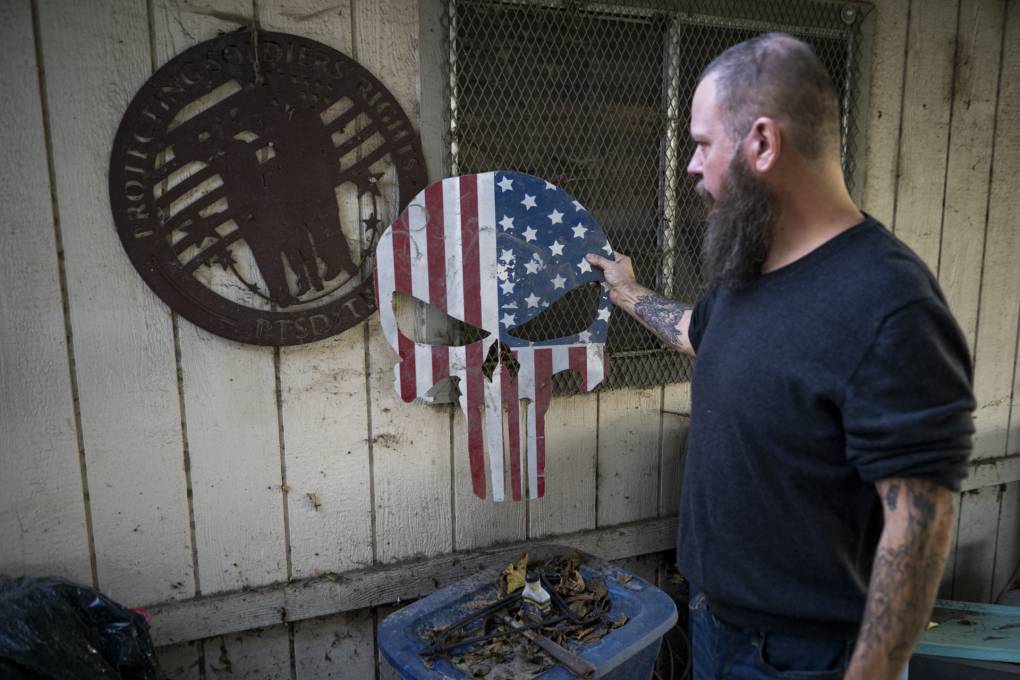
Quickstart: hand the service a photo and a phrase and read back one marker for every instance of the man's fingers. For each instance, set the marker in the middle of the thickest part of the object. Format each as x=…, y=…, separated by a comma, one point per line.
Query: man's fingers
x=601, y=262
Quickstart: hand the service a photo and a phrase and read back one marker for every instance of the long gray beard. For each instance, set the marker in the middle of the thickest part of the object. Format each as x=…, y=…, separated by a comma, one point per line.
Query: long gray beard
x=739, y=232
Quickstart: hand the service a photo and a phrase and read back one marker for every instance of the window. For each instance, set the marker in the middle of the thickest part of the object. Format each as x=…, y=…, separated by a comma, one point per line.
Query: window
x=595, y=97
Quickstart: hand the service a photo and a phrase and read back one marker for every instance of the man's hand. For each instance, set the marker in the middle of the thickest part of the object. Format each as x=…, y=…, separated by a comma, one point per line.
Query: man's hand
x=667, y=318
x=905, y=576
x=619, y=273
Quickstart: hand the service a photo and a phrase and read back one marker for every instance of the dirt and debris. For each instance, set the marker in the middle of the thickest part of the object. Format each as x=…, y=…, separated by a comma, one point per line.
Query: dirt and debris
x=504, y=655
x=386, y=439
x=945, y=615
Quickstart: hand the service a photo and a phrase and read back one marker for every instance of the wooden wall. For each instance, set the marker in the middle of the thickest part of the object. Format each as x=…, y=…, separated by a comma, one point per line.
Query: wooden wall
x=161, y=463
x=942, y=161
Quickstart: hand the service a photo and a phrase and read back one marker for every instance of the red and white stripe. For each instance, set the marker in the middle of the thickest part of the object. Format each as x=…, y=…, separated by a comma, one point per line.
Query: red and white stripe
x=442, y=250
x=537, y=367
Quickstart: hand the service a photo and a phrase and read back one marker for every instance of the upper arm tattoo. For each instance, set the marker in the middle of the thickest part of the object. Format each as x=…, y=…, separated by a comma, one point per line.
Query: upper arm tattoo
x=663, y=316
x=892, y=494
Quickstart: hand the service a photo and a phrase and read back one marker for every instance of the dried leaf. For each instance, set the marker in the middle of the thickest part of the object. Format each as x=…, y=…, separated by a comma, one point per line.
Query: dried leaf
x=512, y=578
x=580, y=609
x=623, y=578
x=580, y=597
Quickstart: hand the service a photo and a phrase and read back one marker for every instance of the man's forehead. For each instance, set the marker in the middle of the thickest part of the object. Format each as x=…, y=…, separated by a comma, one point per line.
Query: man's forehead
x=705, y=91
x=703, y=106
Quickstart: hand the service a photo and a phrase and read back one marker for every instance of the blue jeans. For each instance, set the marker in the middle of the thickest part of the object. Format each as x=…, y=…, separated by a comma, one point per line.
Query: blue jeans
x=724, y=652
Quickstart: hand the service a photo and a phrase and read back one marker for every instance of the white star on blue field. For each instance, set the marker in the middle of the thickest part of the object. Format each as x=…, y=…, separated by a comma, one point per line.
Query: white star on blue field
x=542, y=237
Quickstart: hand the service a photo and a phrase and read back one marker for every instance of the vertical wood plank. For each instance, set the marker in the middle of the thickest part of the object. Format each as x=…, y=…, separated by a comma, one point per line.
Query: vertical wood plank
x=975, y=552
x=96, y=55
x=480, y=522
x=324, y=410
x=180, y=662
x=927, y=93
x=887, y=60
x=326, y=442
x=571, y=458
x=996, y=341
x=42, y=510
x=262, y=654
x=229, y=392
x=325, y=434
x=230, y=400
x=412, y=467
x=1013, y=435
x=410, y=442
x=676, y=420
x=979, y=45
x=434, y=101
x=386, y=42
x=340, y=647
x=1007, y=550
x=628, y=474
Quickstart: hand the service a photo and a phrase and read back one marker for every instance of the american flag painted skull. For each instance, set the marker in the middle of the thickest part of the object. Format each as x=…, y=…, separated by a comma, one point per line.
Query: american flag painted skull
x=494, y=251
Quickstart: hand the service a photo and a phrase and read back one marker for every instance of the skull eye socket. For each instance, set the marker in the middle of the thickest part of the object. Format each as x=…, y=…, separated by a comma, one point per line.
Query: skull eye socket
x=427, y=324
x=568, y=315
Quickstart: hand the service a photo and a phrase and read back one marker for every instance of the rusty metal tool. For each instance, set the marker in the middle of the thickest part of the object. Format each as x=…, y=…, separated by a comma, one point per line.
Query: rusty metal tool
x=581, y=668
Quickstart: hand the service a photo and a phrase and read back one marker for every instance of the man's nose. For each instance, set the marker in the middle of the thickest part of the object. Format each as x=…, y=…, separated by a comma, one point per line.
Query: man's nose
x=694, y=166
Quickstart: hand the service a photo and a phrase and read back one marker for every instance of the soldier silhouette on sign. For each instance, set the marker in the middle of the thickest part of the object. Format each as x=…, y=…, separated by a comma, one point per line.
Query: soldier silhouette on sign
x=279, y=170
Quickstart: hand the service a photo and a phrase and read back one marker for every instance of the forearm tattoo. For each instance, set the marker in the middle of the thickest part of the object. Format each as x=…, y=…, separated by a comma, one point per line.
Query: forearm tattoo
x=662, y=316
x=906, y=571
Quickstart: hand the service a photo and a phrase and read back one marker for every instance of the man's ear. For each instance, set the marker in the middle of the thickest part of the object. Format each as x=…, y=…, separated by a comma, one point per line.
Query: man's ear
x=763, y=145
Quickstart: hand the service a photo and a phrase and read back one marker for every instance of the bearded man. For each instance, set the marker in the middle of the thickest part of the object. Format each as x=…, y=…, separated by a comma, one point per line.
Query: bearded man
x=831, y=397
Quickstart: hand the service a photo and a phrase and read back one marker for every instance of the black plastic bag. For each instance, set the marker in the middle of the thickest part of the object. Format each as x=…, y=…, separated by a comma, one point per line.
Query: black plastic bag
x=51, y=628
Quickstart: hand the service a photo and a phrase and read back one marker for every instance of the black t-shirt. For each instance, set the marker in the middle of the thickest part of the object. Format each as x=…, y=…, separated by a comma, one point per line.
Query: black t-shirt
x=811, y=383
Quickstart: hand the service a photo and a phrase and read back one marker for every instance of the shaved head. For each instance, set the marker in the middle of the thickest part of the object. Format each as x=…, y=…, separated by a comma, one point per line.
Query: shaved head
x=777, y=76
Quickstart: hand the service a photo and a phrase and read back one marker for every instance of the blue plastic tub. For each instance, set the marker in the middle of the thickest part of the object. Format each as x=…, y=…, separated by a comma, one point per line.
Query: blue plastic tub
x=626, y=653
x=972, y=630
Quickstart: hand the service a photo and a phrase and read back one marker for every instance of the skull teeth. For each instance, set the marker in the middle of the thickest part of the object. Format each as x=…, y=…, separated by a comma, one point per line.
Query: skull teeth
x=500, y=355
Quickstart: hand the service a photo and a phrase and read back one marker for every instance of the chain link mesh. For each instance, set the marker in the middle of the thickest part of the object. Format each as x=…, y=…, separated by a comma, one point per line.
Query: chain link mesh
x=595, y=97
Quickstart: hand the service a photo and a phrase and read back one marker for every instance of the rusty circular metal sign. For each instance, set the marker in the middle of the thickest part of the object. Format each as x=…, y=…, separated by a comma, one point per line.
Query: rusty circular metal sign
x=250, y=178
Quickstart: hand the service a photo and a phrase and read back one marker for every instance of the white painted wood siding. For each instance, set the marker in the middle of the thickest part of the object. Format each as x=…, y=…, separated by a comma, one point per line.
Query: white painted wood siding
x=96, y=55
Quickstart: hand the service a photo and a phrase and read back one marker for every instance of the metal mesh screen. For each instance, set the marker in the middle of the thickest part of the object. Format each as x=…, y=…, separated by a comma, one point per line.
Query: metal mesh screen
x=595, y=97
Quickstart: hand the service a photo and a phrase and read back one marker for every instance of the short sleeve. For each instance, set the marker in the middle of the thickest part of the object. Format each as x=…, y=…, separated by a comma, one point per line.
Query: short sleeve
x=907, y=407
x=699, y=318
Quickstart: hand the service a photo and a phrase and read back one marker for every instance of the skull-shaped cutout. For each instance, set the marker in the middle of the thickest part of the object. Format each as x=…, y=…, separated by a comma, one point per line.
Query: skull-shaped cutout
x=494, y=251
